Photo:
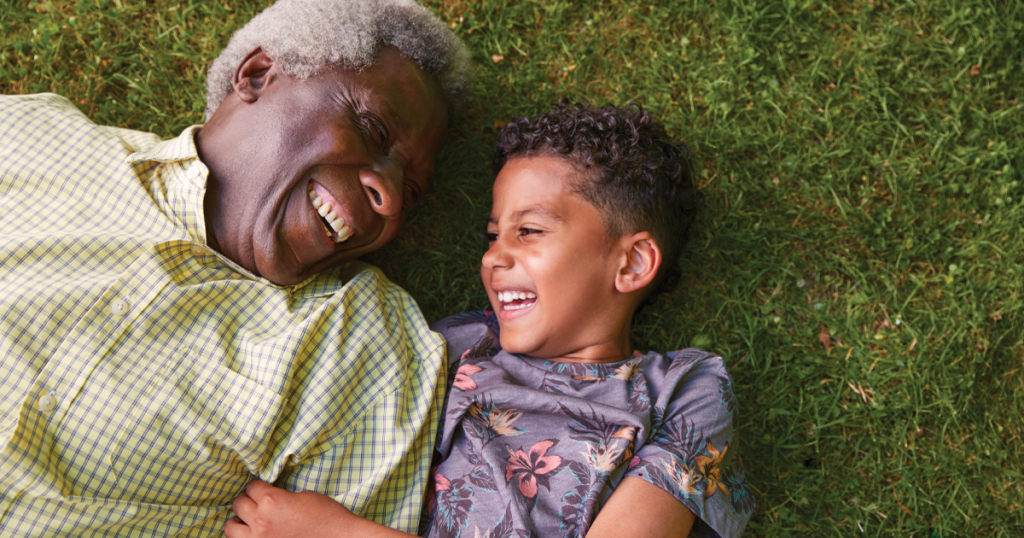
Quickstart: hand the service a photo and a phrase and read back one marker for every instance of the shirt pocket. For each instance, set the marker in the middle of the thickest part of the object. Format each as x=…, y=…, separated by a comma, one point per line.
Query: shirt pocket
x=197, y=436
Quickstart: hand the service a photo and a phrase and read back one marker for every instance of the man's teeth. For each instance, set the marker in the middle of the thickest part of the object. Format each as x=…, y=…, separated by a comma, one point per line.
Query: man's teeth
x=337, y=223
x=509, y=296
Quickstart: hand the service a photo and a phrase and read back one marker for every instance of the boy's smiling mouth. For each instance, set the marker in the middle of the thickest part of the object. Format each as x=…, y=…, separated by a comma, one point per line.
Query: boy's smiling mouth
x=326, y=206
x=516, y=300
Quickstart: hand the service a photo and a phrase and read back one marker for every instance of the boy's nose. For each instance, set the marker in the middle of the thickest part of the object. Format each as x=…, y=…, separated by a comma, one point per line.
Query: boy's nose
x=496, y=256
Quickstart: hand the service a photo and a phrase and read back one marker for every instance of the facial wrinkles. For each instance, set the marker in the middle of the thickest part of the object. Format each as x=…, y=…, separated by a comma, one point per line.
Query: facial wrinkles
x=382, y=136
x=402, y=168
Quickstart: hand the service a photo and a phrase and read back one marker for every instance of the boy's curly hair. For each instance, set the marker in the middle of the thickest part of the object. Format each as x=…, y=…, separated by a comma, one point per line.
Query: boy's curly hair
x=630, y=169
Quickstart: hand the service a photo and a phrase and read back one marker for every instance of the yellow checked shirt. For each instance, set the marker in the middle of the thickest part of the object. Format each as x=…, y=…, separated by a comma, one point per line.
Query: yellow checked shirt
x=145, y=379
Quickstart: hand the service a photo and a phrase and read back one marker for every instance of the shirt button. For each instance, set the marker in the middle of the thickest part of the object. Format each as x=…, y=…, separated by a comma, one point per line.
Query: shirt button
x=192, y=172
x=119, y=307
x=47, y=403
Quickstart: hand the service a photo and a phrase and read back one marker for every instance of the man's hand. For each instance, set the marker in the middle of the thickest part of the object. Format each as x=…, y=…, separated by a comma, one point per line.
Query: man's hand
x=266, y=511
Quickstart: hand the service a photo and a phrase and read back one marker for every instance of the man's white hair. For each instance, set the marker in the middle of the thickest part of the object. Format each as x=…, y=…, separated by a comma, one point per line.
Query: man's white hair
x=304, y=36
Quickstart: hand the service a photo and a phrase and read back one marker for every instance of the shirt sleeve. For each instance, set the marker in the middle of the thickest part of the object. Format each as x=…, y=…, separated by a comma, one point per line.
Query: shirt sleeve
x=691, y=452
x=377, y=469
x=363, y=420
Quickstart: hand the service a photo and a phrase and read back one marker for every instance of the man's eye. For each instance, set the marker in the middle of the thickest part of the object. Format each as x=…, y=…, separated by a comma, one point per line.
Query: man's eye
x=414, y=192
x=373, y=129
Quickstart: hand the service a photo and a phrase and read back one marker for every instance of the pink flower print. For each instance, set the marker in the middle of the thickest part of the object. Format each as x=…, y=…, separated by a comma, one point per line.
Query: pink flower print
x=531, y=468
x=453, y=503
x=441, y=483
x=462, y=380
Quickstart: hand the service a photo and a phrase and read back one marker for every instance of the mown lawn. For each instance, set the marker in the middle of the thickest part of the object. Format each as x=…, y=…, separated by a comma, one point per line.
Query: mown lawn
x=859, y=260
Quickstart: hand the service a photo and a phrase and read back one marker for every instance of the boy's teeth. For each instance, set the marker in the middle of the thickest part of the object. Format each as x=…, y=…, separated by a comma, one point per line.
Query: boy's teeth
x=509, y=296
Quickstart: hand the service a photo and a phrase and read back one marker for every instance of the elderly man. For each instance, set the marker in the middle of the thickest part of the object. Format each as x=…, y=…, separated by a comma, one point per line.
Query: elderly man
x=178, y=317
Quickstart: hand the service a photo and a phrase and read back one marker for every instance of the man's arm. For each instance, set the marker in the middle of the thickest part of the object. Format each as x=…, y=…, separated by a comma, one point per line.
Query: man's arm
x=363, y=405
x=378, y=468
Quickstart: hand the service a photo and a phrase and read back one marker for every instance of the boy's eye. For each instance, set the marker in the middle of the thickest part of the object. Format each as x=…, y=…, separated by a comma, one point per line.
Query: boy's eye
x=490, y=237
x=528, y=231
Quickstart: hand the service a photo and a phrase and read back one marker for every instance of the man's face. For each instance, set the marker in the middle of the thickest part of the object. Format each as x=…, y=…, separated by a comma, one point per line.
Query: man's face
x=324, y=170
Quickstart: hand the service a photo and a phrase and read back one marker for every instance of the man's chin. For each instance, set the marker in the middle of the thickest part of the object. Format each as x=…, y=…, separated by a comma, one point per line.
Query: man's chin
x=285, y=275
x=289, y=274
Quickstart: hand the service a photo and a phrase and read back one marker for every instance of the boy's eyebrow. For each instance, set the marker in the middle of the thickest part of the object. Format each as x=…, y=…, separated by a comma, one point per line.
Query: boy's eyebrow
x=537, y=209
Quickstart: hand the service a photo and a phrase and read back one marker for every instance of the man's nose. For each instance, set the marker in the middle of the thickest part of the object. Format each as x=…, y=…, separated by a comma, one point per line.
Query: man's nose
x=383, y=187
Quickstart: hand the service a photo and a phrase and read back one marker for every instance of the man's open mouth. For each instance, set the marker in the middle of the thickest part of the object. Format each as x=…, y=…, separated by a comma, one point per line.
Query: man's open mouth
x=334, y=224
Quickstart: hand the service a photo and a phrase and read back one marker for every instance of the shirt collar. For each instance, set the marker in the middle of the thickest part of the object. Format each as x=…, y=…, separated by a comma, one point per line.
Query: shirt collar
x=180, y=148
x=185, y=194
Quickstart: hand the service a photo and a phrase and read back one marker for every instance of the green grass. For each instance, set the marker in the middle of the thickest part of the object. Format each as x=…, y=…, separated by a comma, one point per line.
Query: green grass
x=859, y=261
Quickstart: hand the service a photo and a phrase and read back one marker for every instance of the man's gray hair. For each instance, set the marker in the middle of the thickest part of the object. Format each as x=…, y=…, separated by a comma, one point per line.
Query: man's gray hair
x=304, y=36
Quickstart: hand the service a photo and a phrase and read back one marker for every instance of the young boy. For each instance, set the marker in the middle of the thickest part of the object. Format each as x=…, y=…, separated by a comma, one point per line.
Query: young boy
x=553, y=426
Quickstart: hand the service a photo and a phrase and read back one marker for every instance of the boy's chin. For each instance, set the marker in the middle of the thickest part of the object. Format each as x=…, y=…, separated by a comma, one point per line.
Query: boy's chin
x=513, y=345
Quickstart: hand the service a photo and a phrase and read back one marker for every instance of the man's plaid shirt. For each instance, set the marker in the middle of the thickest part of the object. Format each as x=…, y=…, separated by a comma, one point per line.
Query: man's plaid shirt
x=145, y=379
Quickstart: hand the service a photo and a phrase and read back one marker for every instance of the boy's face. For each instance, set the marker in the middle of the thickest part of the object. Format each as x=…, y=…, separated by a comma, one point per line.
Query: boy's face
x=550, y=269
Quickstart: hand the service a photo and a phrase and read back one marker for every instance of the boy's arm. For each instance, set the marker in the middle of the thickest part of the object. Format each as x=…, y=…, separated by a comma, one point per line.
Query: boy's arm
x=641, y=509
x=266, y=511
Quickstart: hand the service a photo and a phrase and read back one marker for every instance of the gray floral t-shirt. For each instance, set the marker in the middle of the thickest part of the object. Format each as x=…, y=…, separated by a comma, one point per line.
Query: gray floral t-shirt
x=531, y=447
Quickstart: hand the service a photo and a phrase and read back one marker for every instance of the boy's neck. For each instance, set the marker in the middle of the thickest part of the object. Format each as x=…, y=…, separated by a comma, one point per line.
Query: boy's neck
x=615, y=348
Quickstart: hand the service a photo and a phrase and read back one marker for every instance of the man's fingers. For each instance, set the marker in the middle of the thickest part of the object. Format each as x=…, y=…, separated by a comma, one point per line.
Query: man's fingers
x=235, y=528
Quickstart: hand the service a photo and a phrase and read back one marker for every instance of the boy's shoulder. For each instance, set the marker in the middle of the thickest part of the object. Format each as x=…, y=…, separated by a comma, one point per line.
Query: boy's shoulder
x=468, y=330
x=689, y=363
x=472, y=318
x=697, y=361
x=692, y=379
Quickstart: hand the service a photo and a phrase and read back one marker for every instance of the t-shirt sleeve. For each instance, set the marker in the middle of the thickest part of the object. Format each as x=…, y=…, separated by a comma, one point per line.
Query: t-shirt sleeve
x=691, y=452
x=468, y=332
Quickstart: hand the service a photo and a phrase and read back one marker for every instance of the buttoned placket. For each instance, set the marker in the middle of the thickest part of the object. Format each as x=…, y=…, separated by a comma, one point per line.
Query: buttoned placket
x=90, y=341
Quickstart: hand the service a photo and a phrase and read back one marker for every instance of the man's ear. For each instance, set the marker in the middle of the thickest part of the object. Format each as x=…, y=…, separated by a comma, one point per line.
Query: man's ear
x=640, y=262
x=252, y=75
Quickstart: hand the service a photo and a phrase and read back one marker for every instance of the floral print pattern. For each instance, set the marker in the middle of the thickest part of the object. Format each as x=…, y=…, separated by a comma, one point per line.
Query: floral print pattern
x=532, y=468
x=520, y=433
x=462, y=379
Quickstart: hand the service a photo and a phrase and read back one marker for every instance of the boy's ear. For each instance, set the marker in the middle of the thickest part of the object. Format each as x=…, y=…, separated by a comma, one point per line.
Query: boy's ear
x=640, y=262
x=252, y=75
